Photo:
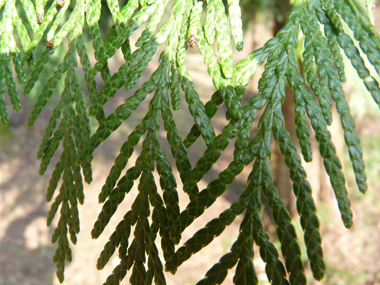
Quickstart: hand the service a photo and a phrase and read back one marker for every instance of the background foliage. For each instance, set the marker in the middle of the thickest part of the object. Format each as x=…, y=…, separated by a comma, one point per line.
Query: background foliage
x=155, y=217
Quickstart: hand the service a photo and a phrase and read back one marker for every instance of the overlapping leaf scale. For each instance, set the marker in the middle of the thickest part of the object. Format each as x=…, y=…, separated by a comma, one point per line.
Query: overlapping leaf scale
x=119, y=238
x=126, y=183
x=324, y=62
x=156, y=40
x=49, y=143
x=128, y=10
x=35, y=75
x=125, y=32
x=8, y=44
x=302, y=131
x=113, y=121
x=167, y=180
x=209, y=25
x=81, y=129
x=113, y=5
x=140, y=57
x=323, y=59
x=305, y=203
x=136, y=252
x=22, y=32
x=207, y=51
x=69, y=211
x=144, y=235
x=151, y=147
x=138, y=63
x=159, y=223
x=218, y=272
x=214, y=150
x=326, y=147
x=40, y=4
x=52, y=11
x=98, y=45
x=245, y=271
x=154, y=21
x=228, y=94
x=211, y=108
x=350, y=135
x=318, y=85
x=126, y=50
x=365, y=19
x=57, y=38
x=223, y=38
x=71, y=190
x=115, y=197
x=315, y=9
x=47, y=91
x=170, y=196
x=353, y=54
x=173, y=40
x=155, y=267
x=30, y=13
x=215, y=188
x=203, y=237
x=244, y=69
x=177, y=147
x=93, y=9
x=196, y=107
x=252, y=201
x=274, y=87
x=175, y=78
x=92, y=87
x=234, y=14
x=175, y=86
x=241, y=249
x=184, y=34
x=332, y=14
x=204, y=199
x=246, y=156
x=5, y=61
x=244, y=134
x=368, y=41
x=53, y=183
x=285, y=230
x=19, y=67
x=242, y=74
x=122, y=159
x=195, y=18
x=3, y=109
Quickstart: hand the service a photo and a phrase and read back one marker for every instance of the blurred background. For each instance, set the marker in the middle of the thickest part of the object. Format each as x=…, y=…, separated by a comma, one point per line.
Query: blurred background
x=351, y=256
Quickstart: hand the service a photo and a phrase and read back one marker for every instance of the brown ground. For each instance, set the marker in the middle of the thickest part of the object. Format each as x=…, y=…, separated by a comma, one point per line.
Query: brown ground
x=352, y=257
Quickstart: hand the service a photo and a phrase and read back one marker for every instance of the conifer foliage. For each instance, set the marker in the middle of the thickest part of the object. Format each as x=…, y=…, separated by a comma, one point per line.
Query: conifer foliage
x=155, y=216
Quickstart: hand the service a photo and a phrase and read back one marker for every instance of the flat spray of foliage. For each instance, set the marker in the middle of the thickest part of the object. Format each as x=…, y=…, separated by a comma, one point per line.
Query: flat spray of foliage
x=155, y=215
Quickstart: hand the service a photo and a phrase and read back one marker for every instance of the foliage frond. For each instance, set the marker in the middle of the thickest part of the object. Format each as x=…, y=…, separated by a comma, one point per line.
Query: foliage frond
x=328, y=27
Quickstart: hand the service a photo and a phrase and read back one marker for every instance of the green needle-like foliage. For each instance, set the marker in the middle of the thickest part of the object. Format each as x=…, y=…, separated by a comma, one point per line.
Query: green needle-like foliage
x=155, y=217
